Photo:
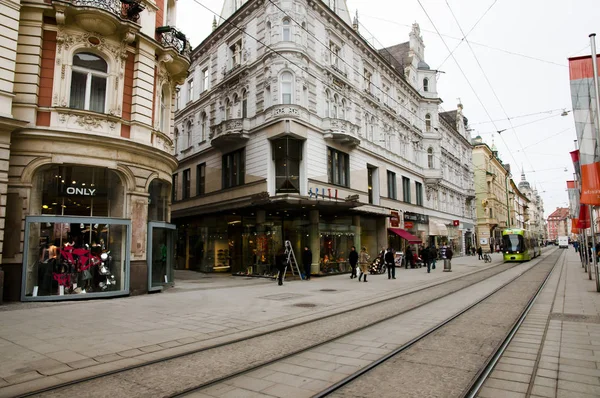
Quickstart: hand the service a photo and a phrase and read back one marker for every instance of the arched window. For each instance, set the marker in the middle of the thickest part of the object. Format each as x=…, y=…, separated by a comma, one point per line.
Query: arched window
x=286, y=34
x=202, y=127
x=366, y=125
x=286, y=88
x=428, y=122
x=227, y=109
x=236, y=104
x=335, y=106
x=244, y=104
x=425, y=84
x=343, y=109
x=327, y=104
x=88, y=82
x=189, y=134
x=430, y=158
x=372, y=126
x=164, y=110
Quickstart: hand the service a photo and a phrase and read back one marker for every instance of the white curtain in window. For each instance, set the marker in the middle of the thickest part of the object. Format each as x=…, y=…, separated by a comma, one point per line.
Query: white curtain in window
x=286, y=88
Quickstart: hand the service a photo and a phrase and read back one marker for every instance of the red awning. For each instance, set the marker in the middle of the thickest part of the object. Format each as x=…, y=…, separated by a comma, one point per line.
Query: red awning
x=405, y=235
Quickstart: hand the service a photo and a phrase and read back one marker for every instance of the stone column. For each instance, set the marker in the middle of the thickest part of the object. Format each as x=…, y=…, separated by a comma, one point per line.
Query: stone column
x=138, y=213
x=381, y=233
x=315, y=241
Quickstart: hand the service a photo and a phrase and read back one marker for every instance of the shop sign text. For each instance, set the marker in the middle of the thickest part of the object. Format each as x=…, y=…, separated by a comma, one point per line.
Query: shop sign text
x=394, y=219
x=415, y=217
x=81, y=191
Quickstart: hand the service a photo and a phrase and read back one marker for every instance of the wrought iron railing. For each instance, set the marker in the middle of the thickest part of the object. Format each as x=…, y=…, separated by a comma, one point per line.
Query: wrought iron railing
x=171, y=37
x=125, y=9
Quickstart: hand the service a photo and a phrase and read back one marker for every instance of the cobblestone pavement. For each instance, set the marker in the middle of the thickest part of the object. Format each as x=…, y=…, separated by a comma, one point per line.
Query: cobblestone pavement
x=556, y=352
x=46, y=343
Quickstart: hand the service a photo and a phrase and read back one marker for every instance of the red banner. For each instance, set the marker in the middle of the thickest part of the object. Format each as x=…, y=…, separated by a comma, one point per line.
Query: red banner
x=584, y=112
x=584, y=217
x=574, y=228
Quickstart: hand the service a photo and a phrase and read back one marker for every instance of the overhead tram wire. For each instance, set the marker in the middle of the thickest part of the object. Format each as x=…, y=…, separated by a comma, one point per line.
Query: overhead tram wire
x=520, y=116
x=491, y=87
x=474, y=42
x=464, y=38
x=310, y=73
x=521, y=125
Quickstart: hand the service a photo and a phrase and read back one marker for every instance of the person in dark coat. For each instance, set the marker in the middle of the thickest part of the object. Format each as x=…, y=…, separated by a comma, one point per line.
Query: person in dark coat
x=280, y=263
x=408, y=256
x=353, y=260
x=480, y=252
x=426, y=257
x=307, y=261
x=389, y=262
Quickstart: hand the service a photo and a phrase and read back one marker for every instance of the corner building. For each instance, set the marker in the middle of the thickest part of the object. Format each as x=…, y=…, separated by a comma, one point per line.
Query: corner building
x=88, y=144
x=295, y=128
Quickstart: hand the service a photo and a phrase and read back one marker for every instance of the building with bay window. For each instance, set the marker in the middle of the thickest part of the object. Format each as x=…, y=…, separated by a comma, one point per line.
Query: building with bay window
x=291, y=126
x=88, y=142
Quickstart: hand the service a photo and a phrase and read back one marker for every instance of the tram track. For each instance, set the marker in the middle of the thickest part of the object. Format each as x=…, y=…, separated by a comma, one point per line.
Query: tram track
x=345, y=386
x=134, y=375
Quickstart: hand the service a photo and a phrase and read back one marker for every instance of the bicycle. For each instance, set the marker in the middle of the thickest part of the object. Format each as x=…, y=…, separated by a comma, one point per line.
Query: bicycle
x=487, y=258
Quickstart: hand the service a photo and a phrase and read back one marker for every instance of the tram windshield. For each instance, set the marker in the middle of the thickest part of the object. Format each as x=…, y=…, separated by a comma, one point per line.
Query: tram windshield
x=513, y=243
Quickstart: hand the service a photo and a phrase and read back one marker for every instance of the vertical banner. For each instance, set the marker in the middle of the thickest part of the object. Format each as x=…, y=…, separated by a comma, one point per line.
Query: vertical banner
x=584, y=217
x=581, y=75
x=573, y=199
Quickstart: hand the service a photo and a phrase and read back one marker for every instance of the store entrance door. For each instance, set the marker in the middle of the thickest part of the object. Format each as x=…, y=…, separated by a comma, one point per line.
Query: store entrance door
x=161, y=255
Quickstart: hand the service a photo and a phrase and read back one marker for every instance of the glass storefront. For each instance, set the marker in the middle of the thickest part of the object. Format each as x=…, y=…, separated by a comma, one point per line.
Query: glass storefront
x=76, y=243
x=75, y=256
x=337, y=237
x=160, y=255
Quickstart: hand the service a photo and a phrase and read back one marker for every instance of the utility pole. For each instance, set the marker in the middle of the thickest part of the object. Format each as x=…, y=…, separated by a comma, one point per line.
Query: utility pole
x=597, y=95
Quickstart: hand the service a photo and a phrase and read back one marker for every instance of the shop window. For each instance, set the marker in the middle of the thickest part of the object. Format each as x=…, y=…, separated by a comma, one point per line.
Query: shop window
x=234, y=169
x=286, y=87
x=419, y=193
x=74, y=257
x=185, y=193
x=78, y=191
x=287, y=154
x=88, y=82
x=201, y=179
x=158, y=202
x=338, y=167
x=406, y=189
x=391, y=185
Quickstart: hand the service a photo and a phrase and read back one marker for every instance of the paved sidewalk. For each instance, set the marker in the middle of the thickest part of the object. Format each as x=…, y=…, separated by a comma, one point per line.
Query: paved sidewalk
x=556, y=352
x=47, y=343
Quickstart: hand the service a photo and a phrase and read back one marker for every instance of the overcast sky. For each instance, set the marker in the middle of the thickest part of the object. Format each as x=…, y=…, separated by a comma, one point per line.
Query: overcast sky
x=522, y=47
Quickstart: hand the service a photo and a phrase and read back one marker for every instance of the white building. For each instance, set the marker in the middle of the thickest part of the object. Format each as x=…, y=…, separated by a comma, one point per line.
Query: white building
x=295, y=128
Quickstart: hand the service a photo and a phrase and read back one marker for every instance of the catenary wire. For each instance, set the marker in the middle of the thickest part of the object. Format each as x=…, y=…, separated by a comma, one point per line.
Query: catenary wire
x=519, y=116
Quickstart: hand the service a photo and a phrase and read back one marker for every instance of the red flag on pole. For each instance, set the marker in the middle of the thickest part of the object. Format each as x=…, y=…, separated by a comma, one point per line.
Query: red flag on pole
x=584, y=217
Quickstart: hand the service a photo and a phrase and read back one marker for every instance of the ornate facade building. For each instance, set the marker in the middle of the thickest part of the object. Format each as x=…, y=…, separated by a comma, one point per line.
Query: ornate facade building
x=537, y=222
x=87, y=143
x=292, y=127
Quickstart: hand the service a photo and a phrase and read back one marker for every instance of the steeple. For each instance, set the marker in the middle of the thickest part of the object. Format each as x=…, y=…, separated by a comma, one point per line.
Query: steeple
x=214, y=23
x=355, y=22
x=229, y=8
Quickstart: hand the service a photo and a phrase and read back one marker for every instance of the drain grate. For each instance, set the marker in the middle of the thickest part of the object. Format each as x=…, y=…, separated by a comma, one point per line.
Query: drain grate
x=305, y=305
x=328, y=290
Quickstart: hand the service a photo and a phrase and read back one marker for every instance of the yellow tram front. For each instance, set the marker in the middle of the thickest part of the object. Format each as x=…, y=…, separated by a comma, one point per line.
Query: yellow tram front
x=518, y=245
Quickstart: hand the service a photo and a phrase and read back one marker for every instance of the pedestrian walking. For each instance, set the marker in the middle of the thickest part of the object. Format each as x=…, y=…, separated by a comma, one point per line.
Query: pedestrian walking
x=281, y=264
x=389, y=262
x=307, y=261
x=408, y=257
x=480, y=252
x=353, y=260
x=426, y=256
x=448, y=259
x=433, y=253
x=363, y=260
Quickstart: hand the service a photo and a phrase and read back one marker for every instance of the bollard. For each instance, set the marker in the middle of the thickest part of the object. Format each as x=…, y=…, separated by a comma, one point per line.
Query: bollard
x=447, y=265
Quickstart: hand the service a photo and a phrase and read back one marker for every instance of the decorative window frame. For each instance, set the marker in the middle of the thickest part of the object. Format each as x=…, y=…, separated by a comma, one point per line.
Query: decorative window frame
x=280, y=86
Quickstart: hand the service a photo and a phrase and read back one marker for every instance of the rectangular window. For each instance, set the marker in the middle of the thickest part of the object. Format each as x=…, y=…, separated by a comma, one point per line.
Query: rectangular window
x=391, y=183
x=186, y=183
x=205, y=79
x=190, y=93
x=419, y=193
x=338, y=167
x=287, y=154
x=174, y=188
x=201, y=179
x=406, y=189
x=235, y=54
x=234, y=168
x=370, y=172
x=334, y=54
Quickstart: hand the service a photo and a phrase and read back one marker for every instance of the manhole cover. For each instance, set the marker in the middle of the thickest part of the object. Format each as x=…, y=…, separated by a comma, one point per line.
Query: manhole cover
x=305, y=305
x=328, y=290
